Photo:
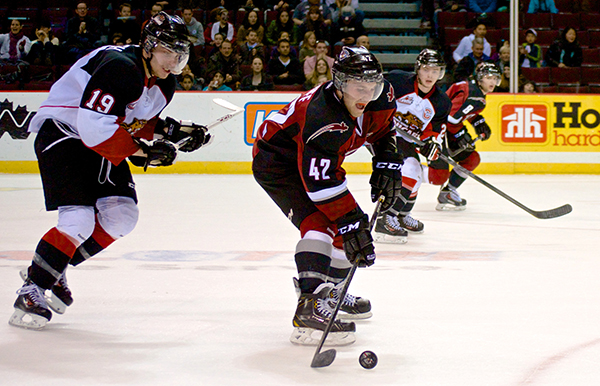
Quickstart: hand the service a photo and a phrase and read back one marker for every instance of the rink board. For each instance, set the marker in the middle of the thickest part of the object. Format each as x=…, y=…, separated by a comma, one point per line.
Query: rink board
x=531, y=133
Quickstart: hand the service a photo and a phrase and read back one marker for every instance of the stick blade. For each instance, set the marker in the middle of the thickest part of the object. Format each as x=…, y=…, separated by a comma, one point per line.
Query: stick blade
x=323, y=359
x=553, y=213
x=227, y=105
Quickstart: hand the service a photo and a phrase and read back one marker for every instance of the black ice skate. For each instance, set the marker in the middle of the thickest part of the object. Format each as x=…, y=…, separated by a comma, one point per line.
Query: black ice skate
x=31, y=309
x=410, y=224
x=353, y=307
x=60, y=295
x=311, y=318
x=389, y=230
x=449, y=199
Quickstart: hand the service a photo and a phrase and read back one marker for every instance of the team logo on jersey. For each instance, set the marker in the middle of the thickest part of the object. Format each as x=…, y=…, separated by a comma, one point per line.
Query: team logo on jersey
x=14, y=122
x=131, y=105
x=134, y=126
x=390, y=94
x=427, y=113
x=341, y=127
x=410, y=122
x=406, y=100
x=524, y=123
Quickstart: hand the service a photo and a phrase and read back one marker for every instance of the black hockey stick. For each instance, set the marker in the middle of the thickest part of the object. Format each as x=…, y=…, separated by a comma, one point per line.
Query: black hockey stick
x=325, y=358
x=460, y=150
x=541, y=214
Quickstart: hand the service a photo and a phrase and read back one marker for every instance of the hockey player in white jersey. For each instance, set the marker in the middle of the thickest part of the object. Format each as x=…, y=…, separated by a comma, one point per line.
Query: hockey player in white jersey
x=102, y=111
x=421, y=110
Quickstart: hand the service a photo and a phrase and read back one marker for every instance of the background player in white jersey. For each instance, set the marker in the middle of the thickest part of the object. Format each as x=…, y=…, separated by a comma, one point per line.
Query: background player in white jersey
x=422, y=111
x=298, y=156
x=468, y=101
x=102, y=111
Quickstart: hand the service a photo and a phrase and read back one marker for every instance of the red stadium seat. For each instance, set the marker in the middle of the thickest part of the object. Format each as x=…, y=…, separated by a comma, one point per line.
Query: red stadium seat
x=548, y=89
x=269, y=17
x=454, y=35
x=565, y=75
x=537, y=75
x=545, y=38
x=594, y=89
x=494, y=36
x=590, y=75
x=577, y=89
x=288, y=87
x=561, y=21
x=591, y=57
x=537, y=21
x=589, y=21
x=452, y=19
x=593, y=38
x=502, y=19
x=564, y=5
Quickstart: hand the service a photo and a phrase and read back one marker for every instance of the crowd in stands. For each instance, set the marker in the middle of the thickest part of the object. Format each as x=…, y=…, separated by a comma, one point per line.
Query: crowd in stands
x=243, y=46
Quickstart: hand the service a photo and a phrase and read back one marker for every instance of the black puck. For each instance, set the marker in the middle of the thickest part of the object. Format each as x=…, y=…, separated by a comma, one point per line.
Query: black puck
x=368, y=359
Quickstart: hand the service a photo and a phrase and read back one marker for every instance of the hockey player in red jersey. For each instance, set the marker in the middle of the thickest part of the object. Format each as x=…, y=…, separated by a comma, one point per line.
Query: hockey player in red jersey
x=468, y=101
x=102, y=111
x=297, y=159
x=421, y=111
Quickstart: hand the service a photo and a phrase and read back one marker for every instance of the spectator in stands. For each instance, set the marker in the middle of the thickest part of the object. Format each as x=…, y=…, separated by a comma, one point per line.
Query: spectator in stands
x=126, y=25
x=194, y=27
x=303, y=9
x=315, y=22
x=529, y=87
x=279, y=5
x=336, y=5
x=482, y=6
x=187, y=83
x=466, y=43
x=82, y=34
x=504, y=59
x=251, y=48
x=274, y=52
x=565, y=51
x=154, y=10
x=531, y=53
x=542, y=6
x=347, y=29
x=221, y=25
x=320, y=75
x=217, y=82
x=307, y=46
x=321, y=51
x=44, y=47
x=258, y=80
x=466, y=67
x=216, y=44
x=227, y=63
x=251, y=22
x=284, y=68
x=282, y=23
x=14, y=45
x=363, y=41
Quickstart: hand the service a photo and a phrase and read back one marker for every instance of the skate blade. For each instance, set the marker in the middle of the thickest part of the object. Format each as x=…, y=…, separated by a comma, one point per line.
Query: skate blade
x=304, y=336
x=347, y=316
x=415, y=231
x=56, y=304
x=450, y=208
x=23, y=319
x=23, y=274
x=387, y=239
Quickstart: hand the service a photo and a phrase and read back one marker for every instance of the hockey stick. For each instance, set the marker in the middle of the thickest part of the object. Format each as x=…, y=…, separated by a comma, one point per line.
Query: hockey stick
x=542, y=214
x=325, y=358
x=458, y=151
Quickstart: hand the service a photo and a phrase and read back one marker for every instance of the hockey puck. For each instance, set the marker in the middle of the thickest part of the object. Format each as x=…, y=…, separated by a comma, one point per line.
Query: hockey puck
x=368, y=359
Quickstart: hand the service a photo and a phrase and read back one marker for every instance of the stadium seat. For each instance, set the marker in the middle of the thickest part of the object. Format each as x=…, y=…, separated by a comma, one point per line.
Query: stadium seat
x=591, y=57
x=452, y=19
x=593, y=38
x=454, y=35
x=545, y=38
x=537, y=21
x=540, y=76
x=502, y=19
x=548, y=89
x=288, y=87
x=269, y=17
x=495, y=36
x=564, y=5
x=565, y=75
x=561, y=21
x=577, y=89
x=590, y=75
x=589, y=21
x=594, y=89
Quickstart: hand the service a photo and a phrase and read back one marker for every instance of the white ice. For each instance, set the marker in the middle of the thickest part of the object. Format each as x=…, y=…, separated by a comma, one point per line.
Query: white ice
x=201, y=292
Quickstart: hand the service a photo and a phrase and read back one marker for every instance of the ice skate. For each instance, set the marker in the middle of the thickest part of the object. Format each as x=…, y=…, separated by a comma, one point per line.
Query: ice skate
x=353, y=307
x=410, y=224
x=31, y=309
x=389, y=230
x=60, y=295
x=449, y=199
x=311, y=318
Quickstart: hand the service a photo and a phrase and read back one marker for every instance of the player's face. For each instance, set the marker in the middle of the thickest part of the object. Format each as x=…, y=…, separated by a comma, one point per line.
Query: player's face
x=357, y=95
x=165, y=62
x=427, y=76
x=488, y=83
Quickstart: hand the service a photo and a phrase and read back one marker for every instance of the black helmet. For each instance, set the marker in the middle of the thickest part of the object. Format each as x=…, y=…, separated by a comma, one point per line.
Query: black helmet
x=359, y=64
x=431, y=58
x=171, y=33
x=487, y=69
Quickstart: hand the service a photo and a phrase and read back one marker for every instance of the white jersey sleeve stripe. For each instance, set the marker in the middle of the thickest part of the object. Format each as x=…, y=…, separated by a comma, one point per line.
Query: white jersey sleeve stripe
x=326, y=194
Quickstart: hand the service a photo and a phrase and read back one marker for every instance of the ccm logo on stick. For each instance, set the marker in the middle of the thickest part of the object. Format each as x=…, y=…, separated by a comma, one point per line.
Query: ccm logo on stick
x=524, y=123
x=388, y=165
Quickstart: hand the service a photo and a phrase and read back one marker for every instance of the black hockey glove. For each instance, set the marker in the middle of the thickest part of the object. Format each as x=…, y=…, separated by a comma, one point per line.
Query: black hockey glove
x=463, y=138
x=386, y=179
x=358, y=242
x=481, y=128
x=159, y=152
x=187, y=135
x=431, y=149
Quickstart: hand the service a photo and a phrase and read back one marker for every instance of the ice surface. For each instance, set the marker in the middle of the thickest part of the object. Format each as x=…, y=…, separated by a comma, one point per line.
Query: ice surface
x=201, y=292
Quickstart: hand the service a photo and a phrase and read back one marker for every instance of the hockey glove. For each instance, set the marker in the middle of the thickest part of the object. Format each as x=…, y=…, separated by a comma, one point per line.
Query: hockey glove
x=463, y=139
x=159, y=152
x=356, y=235
x=187, y=135
x=481, y=128
x=386, y=179
x=431, y=149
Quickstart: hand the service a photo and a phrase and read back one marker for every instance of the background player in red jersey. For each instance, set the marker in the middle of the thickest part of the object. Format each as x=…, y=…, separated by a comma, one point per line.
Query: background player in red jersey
x=468, y=101
x=421, y=111
x=103, y=110
x=298, y=157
